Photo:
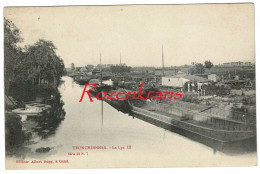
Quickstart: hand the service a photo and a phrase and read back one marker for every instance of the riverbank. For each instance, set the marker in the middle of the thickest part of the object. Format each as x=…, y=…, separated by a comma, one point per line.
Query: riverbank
x=20, y=128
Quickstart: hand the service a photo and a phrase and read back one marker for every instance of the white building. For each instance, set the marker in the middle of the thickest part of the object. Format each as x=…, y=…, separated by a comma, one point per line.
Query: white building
x=179, y=81
x=174, y=81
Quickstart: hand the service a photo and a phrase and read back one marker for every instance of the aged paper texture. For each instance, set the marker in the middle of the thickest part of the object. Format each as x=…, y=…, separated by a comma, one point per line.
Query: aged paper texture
x=130, y=86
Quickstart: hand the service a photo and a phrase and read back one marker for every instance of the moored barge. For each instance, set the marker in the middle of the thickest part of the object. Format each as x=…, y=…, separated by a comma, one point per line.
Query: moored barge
x=185, y=124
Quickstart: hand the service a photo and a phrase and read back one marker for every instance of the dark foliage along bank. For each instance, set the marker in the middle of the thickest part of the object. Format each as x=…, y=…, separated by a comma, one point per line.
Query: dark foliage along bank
x=31, y=67
x=30, y=71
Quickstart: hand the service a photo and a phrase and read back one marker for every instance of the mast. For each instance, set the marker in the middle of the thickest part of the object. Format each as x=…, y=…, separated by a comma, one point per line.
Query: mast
x=120, y=58
x=162, y=61
x=101, y=87
x=100, y=69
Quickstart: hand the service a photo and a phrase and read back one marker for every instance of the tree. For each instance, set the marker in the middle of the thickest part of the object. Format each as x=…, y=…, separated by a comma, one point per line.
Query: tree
x=197, y=69
x=11, y=34
x=208, y=64
x=43, y=63
x=72, y=66
x=11, y=52
x=26, y=69
x=90, y=67
x=211, y=89
x=193, y=63
x=120, y=69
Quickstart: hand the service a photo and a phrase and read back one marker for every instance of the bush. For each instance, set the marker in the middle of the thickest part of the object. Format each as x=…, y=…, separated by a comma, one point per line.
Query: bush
x=13, y=130
x=190, y=97
x=249, y=100
x=216, y=90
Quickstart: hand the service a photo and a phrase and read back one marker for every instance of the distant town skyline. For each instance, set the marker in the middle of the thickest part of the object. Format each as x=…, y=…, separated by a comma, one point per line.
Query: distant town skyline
x=189, y=33
x=159, y=66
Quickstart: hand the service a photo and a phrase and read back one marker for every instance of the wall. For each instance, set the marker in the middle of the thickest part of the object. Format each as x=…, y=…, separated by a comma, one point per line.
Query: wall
x=174, y=81
x=212, y=77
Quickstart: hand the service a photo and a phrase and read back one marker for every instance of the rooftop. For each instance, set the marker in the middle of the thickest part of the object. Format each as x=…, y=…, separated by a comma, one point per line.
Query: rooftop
x=191, y=78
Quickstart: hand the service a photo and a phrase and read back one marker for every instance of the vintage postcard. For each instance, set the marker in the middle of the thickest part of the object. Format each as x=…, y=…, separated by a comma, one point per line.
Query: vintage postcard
x=130, y=86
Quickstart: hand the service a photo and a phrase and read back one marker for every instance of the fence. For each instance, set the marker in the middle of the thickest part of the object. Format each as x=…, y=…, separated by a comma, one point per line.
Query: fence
x=216, y=117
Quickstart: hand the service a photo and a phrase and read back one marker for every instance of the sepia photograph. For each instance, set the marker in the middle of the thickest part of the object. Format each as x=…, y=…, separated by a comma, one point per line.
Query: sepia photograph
x=129, y=86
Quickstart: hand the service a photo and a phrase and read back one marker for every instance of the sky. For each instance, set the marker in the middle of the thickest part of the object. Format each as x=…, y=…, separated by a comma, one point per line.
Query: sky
x=189, y=33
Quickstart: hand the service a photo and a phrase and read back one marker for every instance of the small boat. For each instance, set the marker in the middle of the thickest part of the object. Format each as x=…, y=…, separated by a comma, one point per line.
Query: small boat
x=38, y=105
x=31, y=110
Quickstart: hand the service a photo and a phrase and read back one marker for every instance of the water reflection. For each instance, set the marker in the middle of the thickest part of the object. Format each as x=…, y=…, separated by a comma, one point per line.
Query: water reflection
x=50, y=121
x=36, y=128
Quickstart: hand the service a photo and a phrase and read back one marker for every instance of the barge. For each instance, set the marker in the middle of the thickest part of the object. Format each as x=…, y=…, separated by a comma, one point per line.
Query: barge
x=210, y=134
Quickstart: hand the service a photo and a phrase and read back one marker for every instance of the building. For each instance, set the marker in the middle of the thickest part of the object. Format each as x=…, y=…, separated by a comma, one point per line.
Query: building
x=166, y=71
x=231, y=67
x=174, y=81
x=231, y=64
x=212, y=77
x=180, y=81
x=95, y=72
x=160, y=72
x=233, y=71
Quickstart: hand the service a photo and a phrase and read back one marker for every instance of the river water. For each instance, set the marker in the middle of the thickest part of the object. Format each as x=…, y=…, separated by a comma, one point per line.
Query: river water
x=148, y=145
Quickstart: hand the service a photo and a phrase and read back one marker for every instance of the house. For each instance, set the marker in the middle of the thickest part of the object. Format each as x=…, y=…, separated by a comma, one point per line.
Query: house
x=160, y=72
x=181, y=73
x=197, y=79
x=174, y=81
x=212, y=77
x=83, y=69
x=179, y=81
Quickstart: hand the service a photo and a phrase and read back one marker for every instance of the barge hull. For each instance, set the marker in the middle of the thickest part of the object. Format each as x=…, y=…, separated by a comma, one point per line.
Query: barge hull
x=248, y=144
